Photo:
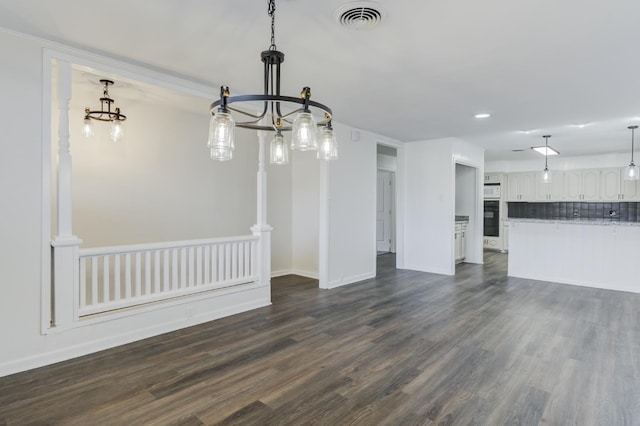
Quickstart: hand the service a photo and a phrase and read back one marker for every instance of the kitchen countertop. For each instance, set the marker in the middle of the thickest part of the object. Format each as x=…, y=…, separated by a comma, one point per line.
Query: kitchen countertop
x=604, y=222
x=462, y=219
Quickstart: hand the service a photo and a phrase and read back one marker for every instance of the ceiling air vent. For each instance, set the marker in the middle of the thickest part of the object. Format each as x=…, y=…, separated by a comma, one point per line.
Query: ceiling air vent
x=362, y=15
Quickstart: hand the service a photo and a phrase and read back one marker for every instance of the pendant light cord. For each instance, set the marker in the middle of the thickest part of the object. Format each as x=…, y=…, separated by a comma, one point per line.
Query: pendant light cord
x=272, y=13
x=632, y=137
x=546, y=151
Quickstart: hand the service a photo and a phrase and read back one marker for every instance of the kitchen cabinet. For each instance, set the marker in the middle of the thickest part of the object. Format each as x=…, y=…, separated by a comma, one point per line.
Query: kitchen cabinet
x=493, y=177
x=521, y=186
x=630, y=189
x=613, y=186
x=460, y=242
x=551, y=191
x=582, y=185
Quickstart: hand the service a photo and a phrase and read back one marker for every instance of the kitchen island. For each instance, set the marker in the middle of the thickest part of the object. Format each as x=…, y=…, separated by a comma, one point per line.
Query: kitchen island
x=593, y=253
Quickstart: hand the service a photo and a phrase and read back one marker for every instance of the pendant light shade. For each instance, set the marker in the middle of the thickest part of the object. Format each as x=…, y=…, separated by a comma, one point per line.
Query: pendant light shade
x=304, y=132
x=327, y=146
x=117, y=130
x=221, y=136
x=87, y=128
x=632, y=172
x=279, y=150
x=546, y=175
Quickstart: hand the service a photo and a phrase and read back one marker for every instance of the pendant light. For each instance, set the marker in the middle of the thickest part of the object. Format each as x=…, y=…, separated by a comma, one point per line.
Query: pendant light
x=631, y=172
x=105, y=114
x=545, y=176
x=299, y=115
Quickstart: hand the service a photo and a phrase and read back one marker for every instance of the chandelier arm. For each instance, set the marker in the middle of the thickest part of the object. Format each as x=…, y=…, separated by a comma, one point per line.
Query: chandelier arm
x=632, y=137
x=278, y=98
x=248, y=114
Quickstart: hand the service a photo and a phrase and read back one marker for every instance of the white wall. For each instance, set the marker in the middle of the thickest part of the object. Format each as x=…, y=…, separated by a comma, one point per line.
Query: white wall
x=430, y=203
x=158, y=184
x=21, y=189
x=351, y=208
x=560, y=163
x=279, y=216
x=305, y=190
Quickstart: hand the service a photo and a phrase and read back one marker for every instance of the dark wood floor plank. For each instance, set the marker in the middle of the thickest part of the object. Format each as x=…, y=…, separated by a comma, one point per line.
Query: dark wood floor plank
x=405, y=348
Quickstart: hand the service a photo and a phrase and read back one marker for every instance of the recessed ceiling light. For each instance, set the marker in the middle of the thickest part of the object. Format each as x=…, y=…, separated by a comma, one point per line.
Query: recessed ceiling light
x=483, y=115
x=545, y=150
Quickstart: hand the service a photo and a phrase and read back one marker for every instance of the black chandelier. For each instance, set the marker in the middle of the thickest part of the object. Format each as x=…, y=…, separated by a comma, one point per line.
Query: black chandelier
x=304, y=127
x=105, y=114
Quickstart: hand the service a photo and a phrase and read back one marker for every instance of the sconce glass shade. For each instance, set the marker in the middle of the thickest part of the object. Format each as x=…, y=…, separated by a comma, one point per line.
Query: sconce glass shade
x=221, y=137
x=279, y=154
x=631, y=172
x=546, y=176
x=304, y=133
x=328, y=145
x=87, y=128
x=117, y=131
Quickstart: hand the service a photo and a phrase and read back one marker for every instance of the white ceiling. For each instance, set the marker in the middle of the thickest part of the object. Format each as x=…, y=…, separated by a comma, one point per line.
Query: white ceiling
x=421, y=74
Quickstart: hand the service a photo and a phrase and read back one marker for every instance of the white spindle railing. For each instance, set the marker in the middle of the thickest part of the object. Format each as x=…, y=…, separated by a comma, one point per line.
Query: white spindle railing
x=120, y=277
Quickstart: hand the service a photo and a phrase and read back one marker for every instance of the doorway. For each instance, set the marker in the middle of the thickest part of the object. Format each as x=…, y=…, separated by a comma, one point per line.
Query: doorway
x=386, y=199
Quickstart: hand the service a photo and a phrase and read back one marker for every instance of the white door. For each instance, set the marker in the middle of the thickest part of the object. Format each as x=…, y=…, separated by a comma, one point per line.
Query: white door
x=384, y=208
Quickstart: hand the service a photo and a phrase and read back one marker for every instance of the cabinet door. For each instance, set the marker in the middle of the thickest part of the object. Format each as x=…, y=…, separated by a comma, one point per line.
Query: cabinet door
x=458, y=243
x=630, y=190
x=590, y=185
x=542, y=189
x=513, y=181
x=527, y=186
x=556, y=187
x=610, y=184
x=573, y=185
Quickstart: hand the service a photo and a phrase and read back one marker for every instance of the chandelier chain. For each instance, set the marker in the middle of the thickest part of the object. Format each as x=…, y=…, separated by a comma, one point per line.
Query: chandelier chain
x=272, y=14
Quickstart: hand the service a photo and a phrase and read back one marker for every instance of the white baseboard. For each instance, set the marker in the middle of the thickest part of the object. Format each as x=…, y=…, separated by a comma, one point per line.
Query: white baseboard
x=580, y=283
x=281, y=273
x=306, y=274
x=59, y=355
x=350, y=280
x=430, y=269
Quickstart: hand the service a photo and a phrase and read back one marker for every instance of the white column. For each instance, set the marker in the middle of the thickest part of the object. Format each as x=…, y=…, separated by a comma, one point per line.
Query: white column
x=261, y=228
x=65, y=244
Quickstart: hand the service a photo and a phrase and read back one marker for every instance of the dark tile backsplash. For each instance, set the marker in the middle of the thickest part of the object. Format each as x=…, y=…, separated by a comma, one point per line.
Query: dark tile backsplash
x=622, y=212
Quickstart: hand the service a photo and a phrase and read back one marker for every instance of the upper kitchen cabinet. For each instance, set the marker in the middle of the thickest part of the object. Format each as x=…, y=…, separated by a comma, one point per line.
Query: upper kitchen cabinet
x=582, y=185
x=613, y=186
x=551, y=191
x=630, y=189
x=521, y=186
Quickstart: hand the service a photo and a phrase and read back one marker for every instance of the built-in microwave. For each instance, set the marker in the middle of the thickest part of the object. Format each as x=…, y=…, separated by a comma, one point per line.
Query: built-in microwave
x=492, y=191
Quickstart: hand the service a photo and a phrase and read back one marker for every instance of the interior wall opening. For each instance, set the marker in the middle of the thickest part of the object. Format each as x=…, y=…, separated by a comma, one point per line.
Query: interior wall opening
x=387, y=167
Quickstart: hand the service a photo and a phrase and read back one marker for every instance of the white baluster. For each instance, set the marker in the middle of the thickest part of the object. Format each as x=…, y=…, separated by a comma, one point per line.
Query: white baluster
x=106, y=282
x=156, y=272
x=117, y=272
x=147, y=273
x=207, y=265
x=138, y=274
x=83, y=282
x=127, y=276
x=174, y=271
x=94, y=280
x=191, y=255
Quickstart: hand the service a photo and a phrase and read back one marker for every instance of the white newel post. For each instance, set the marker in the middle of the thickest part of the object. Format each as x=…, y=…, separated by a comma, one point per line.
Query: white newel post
x=261, y=229
x=65, y=244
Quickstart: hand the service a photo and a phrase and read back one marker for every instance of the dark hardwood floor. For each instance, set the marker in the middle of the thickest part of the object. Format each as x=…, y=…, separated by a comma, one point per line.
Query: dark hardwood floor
x=406, y=348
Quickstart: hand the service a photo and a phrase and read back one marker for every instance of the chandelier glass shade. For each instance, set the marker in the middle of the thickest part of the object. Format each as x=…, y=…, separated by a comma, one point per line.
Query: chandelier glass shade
x=632, y=172
x=278, y=113
x=546, y=175
x=105, y=114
